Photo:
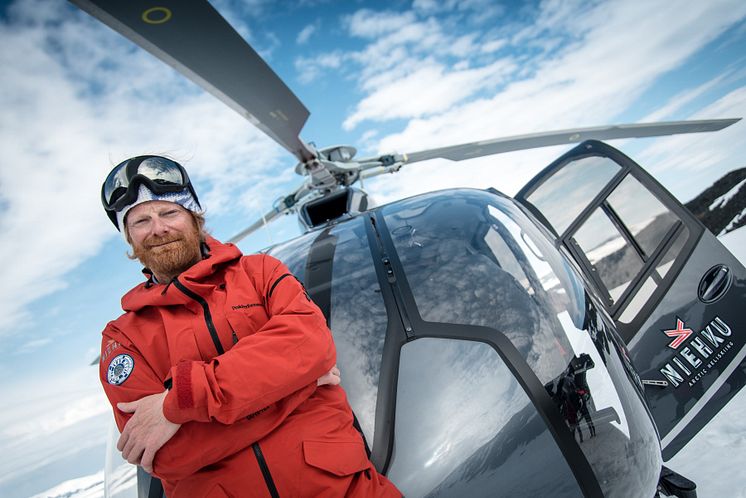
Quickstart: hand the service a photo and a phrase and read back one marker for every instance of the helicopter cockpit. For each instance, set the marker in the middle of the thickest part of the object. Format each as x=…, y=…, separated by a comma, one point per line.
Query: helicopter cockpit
x=468, y=347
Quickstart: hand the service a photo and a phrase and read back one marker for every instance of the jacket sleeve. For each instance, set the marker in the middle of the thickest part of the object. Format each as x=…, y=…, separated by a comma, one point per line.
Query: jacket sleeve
x=198, y=444
x=290, y=352
x=126, y=376
x=124, y=373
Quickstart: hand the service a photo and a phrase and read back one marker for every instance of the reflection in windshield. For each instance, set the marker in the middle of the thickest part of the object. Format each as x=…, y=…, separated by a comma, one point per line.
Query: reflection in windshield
x=464, y=425
x=468, y=262
x=294, y=254
x=603, y=409
x=358, y=321
x=571, y=393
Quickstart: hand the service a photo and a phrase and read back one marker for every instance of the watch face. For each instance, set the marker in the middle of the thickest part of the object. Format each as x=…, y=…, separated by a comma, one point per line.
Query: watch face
x=119, y=369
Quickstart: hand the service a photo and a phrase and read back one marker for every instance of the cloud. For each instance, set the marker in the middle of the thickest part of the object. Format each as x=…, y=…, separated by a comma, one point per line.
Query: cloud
x=400, y=41
x=305, y=34
x=370, y=24
x=311, y=68
x=32, y=345
x=492, y=46
x=610, y=55
x=679, y=101
x=428, y=90
x=554, y=16
x=476, y=11
x=397, y=41
x=75, y=127
x=684, y=163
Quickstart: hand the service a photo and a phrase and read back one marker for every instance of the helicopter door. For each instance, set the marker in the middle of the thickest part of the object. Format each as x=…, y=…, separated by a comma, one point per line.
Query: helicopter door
x=675, y=293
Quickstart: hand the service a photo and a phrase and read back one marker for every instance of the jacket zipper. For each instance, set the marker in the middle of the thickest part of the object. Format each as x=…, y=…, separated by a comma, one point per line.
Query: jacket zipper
x=206, y=309
x=265, y=471
x=279, y=279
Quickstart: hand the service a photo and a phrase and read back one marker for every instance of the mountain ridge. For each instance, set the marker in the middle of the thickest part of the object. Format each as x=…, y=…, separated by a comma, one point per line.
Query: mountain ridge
x=722, y=206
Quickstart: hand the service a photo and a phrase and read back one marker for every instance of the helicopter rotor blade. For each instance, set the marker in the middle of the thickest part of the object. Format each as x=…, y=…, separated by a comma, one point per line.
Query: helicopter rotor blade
x=576, y=135
x=198, y=42
x=285, y=205
x=264, y=220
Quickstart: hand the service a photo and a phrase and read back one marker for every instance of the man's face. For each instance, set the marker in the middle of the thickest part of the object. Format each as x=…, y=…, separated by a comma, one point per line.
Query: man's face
x=164, y=237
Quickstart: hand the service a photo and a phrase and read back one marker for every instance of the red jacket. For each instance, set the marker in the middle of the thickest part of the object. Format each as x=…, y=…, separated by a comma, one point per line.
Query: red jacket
x=240, y=345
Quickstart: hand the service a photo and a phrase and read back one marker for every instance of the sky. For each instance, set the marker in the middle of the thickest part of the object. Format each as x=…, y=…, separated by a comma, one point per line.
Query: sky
x=77, y=98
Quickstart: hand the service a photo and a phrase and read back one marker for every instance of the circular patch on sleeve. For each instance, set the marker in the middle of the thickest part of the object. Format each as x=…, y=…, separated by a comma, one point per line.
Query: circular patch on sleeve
x=120, y=368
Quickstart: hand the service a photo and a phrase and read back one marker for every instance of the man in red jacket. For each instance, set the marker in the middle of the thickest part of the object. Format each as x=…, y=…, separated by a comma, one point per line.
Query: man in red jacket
x=221, y=371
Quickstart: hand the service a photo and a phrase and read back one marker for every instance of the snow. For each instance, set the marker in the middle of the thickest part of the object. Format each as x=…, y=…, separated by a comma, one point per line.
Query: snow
x=735, y=241
x=734, y=221
x=723, y=200
x=121, y=484
x=91, y=486
x=714, y=459
x=726, y=197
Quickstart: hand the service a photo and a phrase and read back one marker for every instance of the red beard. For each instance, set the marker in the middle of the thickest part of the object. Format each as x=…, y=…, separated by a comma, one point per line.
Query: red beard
x=170, y=255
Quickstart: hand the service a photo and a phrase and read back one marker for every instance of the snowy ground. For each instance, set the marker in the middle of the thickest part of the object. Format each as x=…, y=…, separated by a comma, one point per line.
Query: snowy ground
x=714, y=459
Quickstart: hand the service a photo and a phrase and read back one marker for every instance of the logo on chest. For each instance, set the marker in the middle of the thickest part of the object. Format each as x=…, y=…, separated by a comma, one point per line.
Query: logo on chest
x=245, y=306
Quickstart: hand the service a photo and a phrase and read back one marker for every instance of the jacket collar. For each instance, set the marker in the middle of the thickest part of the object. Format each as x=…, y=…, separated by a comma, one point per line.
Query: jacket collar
x=150, y=293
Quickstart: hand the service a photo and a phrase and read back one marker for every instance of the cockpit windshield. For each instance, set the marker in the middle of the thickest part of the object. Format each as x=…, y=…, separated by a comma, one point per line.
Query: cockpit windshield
x=468, y=261
x=472, y=258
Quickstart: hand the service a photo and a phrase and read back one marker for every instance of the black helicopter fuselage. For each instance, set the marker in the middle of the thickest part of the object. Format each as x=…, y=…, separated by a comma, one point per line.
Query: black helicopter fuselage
x=560, y=343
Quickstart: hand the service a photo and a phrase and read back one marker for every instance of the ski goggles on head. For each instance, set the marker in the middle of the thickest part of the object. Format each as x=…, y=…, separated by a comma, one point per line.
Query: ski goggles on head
x=159, y=174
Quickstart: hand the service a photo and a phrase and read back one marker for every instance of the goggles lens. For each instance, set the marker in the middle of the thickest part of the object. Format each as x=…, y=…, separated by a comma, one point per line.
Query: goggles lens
x=159, y=170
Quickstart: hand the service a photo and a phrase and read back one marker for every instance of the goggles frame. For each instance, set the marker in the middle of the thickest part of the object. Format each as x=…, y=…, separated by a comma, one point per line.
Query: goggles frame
x=134, y=178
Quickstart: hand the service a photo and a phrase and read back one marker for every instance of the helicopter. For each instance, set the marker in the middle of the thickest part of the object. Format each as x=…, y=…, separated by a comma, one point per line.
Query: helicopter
x=559, y=342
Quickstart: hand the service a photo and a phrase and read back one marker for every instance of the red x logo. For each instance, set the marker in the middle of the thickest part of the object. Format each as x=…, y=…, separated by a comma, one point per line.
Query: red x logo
x=680, y=333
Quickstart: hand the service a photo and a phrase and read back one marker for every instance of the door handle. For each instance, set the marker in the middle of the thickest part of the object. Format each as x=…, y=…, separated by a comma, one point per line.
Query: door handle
x=714, y=284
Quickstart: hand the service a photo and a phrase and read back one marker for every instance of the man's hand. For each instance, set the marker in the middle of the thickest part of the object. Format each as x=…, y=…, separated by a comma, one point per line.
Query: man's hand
x=332, y=377
x=146, y=431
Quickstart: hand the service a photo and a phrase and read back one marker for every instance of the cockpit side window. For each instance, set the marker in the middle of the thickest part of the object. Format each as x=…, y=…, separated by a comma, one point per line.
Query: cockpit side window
x=619, y=237
x=563, y=196
x=624, y=237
